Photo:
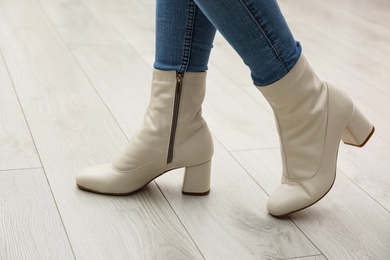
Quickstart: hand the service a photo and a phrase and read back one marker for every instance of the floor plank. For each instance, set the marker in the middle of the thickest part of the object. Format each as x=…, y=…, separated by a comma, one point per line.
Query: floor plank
x=237, y=120
x=319, y=257
x=17, y=149
x=354, y=30
x=79, y=24
x=229, y=62
x=30, y=224
x=134, y=20
x=367, y=167
x=122, y=79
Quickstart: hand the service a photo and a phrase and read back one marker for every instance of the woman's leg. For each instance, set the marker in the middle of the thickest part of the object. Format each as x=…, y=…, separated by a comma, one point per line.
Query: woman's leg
x=312, y=115
x=256, y=29
x=184, y=36
x=173, y=133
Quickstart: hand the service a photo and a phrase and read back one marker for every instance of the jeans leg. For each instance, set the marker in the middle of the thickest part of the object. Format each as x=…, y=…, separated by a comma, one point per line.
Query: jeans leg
x=184, y=36
x=257, y=30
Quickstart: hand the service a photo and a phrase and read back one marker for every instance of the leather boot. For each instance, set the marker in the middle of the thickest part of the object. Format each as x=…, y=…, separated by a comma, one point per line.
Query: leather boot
x=173, y=135
x=311, y=116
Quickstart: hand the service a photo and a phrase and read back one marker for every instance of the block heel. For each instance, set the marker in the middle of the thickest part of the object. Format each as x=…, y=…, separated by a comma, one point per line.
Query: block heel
x=359, y=130
x=197, y=179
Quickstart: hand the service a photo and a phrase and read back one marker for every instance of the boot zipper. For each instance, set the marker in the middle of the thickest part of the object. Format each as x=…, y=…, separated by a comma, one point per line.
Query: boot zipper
x=176, y=106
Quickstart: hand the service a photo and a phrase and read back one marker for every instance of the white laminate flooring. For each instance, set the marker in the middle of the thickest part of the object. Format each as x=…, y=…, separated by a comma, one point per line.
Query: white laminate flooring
x=74, y=83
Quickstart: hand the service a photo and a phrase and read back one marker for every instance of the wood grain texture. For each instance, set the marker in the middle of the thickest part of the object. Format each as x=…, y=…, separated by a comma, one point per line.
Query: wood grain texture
x=134, y=20
x=367, y=168
x=229, y=62
x=122, y=79
x=17, y=149
x=80, y=24
x=30, y=224
x=236, y=119
x=319, y=257
x=345, y=45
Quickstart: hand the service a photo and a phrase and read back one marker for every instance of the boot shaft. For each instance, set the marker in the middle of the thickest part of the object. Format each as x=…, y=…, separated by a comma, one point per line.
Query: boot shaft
x=300, y=103
x=173, y=115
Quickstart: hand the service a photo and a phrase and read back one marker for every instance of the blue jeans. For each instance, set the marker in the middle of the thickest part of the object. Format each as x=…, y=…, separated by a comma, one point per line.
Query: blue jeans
x=256, y=29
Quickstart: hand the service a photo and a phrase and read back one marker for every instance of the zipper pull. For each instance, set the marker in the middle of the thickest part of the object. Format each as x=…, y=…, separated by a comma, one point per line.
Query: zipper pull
x=179, y=81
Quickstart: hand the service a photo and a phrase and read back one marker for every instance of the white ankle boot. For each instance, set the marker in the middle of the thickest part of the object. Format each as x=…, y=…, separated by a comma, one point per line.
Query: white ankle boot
x=172, y=135
x=311, y=116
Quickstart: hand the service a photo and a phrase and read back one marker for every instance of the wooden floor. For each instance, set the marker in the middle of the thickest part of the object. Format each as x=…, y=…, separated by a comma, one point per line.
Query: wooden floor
x=74, y=83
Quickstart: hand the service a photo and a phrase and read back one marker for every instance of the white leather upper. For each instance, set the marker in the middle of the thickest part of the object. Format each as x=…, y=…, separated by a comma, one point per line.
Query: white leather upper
x=311, y=116
x=145, y=156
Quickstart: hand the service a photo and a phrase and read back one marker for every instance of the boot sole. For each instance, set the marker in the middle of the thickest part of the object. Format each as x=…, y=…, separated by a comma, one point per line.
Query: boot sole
x=137, y=190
